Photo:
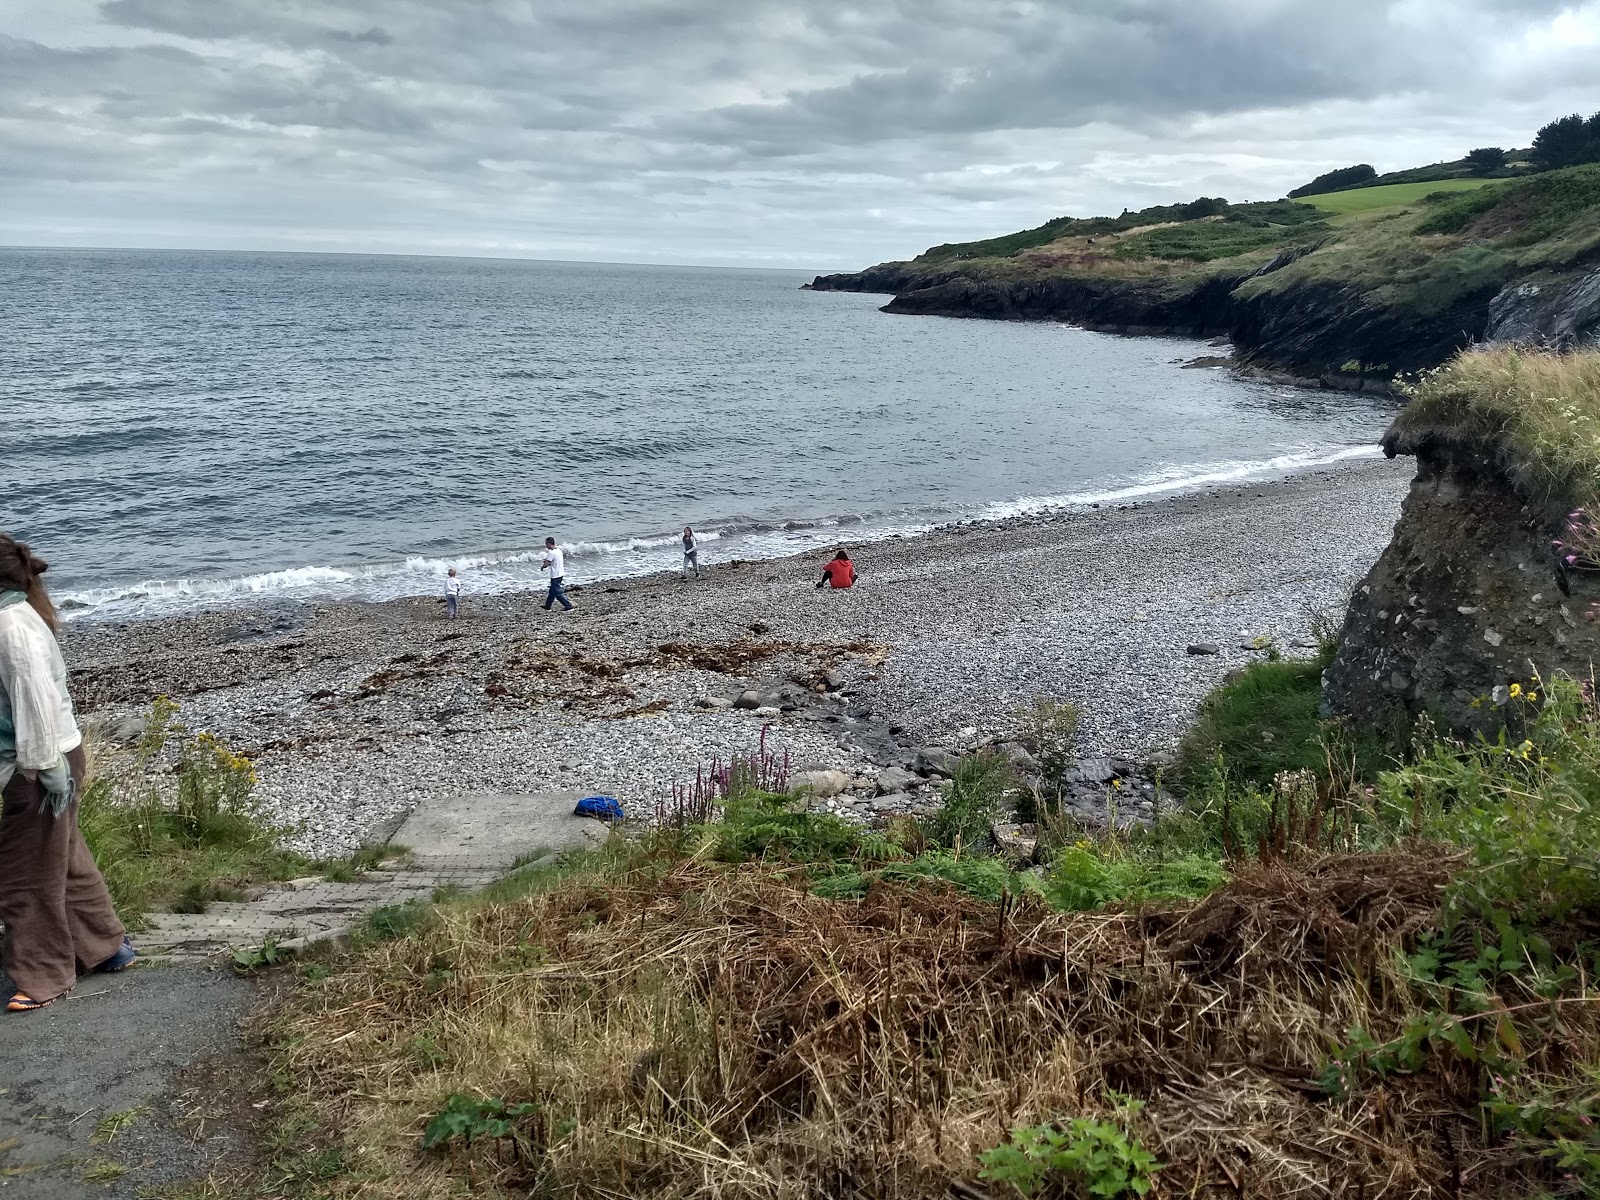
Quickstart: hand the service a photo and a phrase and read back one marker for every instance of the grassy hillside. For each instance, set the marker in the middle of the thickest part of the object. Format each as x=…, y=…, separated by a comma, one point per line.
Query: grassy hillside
x=1374, y=281
x=1394, y=195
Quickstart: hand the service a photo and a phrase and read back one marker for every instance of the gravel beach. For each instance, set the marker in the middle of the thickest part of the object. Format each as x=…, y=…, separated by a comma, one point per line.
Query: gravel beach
x=357, y=713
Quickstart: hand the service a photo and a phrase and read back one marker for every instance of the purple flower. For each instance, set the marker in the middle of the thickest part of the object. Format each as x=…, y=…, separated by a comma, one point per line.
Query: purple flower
x=1572, y=558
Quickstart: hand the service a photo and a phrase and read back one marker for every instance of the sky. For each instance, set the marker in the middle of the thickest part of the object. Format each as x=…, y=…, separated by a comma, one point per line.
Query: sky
x=816, y=134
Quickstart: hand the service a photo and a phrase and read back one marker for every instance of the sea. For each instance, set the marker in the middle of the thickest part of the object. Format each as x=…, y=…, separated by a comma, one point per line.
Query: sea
x=191, y=429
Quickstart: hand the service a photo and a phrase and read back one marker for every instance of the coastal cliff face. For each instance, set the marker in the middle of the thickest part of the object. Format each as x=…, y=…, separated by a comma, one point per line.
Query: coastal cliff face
x=1319, y=330
x=1467, y=599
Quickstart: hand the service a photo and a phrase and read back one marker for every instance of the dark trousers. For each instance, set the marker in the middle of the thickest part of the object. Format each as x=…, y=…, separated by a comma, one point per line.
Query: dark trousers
x=557, y=592
x=58, y=915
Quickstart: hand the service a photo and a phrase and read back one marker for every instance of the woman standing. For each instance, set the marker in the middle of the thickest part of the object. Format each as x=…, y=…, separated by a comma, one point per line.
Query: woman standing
x=57, y=913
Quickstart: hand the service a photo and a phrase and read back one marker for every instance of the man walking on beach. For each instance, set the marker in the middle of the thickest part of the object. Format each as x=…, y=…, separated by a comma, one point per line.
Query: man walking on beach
x=555, y=563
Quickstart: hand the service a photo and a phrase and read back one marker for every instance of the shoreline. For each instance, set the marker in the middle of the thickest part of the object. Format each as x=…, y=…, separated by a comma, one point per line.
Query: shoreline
x=623, y=557
x=358, y=712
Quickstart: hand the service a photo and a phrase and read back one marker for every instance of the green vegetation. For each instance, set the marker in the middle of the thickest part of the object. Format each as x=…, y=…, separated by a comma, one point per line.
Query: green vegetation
x=1567, y=142
x=1394, y=195
x=1537, y=413
x=1212, y=229
x=1102, y=1157
x=180, y=846
x=1266, y=718
x=1357, y=176
x=739, y=1008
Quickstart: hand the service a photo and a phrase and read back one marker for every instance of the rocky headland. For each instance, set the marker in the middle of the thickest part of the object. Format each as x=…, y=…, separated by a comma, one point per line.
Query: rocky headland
x=1348, y=301
x=1474, y=596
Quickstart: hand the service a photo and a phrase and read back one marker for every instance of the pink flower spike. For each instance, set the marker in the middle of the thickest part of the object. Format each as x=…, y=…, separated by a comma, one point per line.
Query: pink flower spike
x=1572, y=558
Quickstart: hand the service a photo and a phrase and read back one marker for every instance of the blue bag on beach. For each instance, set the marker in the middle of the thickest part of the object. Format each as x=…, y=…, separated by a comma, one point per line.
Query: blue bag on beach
x=602, y=808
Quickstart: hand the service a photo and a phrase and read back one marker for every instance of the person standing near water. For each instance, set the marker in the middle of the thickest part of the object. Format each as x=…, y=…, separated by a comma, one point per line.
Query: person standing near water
x=58, y=914
x=452, y=594
x=691, y=553
x=839, y=573
x=555, y=563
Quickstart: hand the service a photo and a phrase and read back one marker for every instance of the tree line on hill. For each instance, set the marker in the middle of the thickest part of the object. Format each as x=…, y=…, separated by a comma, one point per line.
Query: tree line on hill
x=1565, y=142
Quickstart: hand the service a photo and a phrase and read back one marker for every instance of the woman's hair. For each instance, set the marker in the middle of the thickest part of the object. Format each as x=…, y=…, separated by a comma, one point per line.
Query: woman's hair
x=23, y=571
x=840, y=555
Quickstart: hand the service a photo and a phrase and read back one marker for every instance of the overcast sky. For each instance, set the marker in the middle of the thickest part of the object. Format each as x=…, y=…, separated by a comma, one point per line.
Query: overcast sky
x=810, y=133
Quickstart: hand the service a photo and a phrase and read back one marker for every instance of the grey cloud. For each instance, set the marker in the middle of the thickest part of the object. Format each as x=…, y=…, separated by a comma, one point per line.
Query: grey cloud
x=804, y=127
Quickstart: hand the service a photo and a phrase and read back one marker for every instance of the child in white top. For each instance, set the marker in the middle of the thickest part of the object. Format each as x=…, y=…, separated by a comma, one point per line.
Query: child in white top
x=452, y=594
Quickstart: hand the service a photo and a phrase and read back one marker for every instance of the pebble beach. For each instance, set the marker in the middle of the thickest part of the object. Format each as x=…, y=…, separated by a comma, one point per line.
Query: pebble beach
x=355, y=714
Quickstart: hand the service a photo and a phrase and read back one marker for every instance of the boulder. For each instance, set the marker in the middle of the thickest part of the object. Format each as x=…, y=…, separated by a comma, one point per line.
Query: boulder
x=1017, y=844
x=895, y=779
x=824, y=783
x=748, y=700
x=1089, y=770
x=1198, y=648
x=893, y=802
x=931, y=760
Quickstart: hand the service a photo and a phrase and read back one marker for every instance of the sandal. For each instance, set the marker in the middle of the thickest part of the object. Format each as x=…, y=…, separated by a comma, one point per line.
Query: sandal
x=21, y=1002
x=122, y=959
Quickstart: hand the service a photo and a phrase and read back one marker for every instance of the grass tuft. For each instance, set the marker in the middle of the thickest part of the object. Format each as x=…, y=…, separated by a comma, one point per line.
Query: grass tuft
x=1536, y=413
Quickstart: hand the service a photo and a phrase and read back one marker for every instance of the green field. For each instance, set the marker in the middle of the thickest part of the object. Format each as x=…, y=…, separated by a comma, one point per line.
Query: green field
x=1391, y=195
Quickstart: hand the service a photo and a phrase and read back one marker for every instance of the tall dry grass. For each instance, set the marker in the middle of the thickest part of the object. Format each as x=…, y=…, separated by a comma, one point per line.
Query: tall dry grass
x=1536, y=412
x=693, y=1030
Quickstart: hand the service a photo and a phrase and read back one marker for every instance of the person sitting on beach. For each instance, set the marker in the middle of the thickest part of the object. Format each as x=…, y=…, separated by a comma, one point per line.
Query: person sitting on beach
x=839, y=573
x=57, y=912
x=452, y=593
x=555, y=563
x=691, y=553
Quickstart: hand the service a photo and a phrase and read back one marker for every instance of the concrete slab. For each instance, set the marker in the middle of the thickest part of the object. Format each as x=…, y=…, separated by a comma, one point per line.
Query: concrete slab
x=494, y=830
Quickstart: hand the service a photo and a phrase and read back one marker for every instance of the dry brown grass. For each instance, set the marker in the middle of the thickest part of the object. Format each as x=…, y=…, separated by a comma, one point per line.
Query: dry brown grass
x=689, y=1029
x=1534, y=413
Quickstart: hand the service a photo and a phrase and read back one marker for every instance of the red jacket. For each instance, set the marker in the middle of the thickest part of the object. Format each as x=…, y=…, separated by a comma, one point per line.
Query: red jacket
x=841, y=573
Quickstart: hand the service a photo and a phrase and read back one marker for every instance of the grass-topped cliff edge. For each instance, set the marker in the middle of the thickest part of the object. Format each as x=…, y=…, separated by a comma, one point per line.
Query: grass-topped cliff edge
x=1353, y=286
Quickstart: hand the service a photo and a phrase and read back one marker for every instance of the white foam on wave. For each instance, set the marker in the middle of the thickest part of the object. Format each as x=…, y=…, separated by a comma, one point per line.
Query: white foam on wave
x=1182, y=478
x=596, y=561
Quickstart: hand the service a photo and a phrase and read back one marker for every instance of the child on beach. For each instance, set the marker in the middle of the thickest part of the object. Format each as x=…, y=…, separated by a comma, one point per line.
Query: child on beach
x=691, y=553
x=452, y=594
x=839, y=573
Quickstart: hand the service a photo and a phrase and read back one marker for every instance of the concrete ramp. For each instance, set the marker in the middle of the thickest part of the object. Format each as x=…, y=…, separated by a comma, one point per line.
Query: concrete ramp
x=490, y=832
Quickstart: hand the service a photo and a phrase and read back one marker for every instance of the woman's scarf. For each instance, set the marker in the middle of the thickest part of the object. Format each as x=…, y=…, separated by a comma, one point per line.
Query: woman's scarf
x=55, y=782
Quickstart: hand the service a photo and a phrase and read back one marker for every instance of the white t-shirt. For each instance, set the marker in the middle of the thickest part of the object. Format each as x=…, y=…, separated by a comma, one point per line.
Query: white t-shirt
x=558, y=562
x=452, y=585
x=691, y=544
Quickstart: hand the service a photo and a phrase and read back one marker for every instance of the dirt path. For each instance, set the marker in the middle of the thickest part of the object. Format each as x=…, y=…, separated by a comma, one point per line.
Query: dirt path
x=129, y=1083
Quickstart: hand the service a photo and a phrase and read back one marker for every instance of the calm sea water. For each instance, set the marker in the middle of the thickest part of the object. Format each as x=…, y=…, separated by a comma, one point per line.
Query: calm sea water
x=193, y=428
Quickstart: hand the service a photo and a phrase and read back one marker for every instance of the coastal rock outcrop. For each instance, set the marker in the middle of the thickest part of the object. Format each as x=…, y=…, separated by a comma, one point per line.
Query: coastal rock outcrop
x=1326, y=331
x=1468, y=598
x=1561, y=313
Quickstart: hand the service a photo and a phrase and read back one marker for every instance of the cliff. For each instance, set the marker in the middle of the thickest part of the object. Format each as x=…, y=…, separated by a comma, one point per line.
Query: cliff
x=1471, y=596
x=1350, y=299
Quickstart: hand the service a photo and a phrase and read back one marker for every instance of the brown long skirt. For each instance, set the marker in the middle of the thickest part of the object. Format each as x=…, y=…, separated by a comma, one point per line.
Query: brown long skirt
x=58, y=915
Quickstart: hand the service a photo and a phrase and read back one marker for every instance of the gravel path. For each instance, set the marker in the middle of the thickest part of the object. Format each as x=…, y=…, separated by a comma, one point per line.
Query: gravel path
x=358, y=713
